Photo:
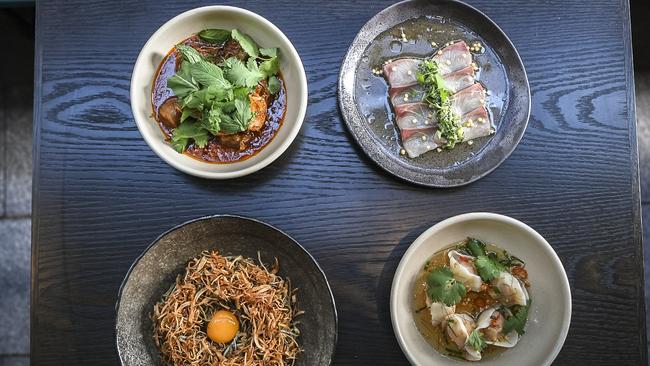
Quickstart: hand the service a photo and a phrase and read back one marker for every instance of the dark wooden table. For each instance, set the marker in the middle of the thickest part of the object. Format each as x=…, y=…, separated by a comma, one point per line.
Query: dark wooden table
x=101, y=196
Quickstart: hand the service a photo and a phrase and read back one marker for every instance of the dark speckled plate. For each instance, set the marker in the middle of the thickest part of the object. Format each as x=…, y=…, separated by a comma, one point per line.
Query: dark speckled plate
x=363, y=96
x=156, y=269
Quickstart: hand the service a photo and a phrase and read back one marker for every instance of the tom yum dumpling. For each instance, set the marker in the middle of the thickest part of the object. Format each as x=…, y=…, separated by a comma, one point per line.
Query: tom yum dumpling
x=471, y=300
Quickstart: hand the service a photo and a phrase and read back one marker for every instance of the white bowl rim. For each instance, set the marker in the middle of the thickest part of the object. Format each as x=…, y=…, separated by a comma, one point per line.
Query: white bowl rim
x=566, y=321
x=157, y=149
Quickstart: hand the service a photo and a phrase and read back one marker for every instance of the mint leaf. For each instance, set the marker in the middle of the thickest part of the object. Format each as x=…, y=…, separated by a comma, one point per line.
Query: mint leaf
x=442, y=287
x=189, y=54
x=241, y=75
x=476, y=340
x=189, y=130
x=229, y=125
x=270, y=67
x=517, y=321
x=274, y=85
x=182, y=82
x=487, y=267
x=246, y=42
x=180, y=144
x=214, y=35
x=269, y=52
x=209, y=74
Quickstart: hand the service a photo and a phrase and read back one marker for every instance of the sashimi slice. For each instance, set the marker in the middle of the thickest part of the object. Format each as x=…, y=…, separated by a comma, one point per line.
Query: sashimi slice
x=459, y=80
x=401, y=72
x=415, y=115
x=468, y=99
x=476, y=124
x=406, y=95
x=454, y=57
x=420, y=142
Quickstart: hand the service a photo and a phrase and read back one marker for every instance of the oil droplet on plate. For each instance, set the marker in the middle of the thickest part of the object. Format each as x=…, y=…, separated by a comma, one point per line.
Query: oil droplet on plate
x=370, y=119
x=396, y=47
x=388, y=126
x=364, y=58
x=365, y=84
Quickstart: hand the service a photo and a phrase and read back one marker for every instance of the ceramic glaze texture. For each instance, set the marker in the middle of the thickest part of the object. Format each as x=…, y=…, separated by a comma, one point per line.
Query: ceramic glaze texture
x=368, y=117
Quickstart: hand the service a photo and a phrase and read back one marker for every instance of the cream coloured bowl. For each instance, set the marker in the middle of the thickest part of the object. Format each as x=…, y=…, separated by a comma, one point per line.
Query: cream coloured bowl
x=184, y=25
x=550, y=313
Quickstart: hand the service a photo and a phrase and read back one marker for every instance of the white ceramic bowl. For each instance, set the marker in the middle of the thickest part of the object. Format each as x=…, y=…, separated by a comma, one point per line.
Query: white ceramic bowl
x=550, y=313
x=184, y=25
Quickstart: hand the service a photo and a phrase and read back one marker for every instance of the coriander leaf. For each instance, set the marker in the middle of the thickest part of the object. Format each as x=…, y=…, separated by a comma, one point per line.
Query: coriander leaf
x=243, y=113
x=190, y=130
x=476, y=340
x=274, y=85
x=475, y=247
x=246, y=42
x=270, y=67
x=269, y=52
x=487, y=267
x=241, y=75
x=182, y=82
x=442, y=287
x=209, y=74
x=189, y=54
x=518, y=320
x=212, y=120
x=214, y=35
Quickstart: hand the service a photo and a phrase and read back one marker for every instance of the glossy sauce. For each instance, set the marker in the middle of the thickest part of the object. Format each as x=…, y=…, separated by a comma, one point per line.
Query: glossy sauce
x=473, y=304
x=214, y=152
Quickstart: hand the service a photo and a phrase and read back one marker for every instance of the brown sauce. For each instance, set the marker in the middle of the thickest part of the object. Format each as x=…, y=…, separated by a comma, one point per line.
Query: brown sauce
x=214, y=151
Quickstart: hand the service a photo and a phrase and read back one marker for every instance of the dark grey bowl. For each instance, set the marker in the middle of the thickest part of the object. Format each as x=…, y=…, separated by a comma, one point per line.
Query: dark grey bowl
x=362, y=97
x=156, y=269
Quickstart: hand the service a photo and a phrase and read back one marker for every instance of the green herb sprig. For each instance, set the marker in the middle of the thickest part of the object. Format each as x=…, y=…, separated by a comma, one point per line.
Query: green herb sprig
x=443, y=287
x=487, y=264
x=438, y=99
x=476, y=340
x=517, y=321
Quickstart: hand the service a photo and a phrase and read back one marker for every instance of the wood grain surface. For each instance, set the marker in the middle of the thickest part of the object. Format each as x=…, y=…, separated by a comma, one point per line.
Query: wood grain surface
x=101, y=195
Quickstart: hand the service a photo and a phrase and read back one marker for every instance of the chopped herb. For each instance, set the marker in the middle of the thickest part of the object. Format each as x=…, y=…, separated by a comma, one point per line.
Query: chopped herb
x=215, y=35
x=517, y=321
x=243, y=75
x=438, y=99
x=442, y=287
x=476, y=340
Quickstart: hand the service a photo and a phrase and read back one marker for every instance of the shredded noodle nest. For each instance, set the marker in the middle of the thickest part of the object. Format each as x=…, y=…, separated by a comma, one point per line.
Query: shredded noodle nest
x=263, y=302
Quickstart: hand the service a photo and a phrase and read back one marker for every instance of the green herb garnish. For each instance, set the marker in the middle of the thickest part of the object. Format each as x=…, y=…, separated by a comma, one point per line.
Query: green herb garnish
x=476, y=340
x=215, y=35
x=517, y=321
x=438, y=99
x=442, y=287
x=487, y=264
x=214, y=98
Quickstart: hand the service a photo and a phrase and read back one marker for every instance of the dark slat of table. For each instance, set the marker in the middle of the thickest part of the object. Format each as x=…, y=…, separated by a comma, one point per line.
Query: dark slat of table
x=101, y=195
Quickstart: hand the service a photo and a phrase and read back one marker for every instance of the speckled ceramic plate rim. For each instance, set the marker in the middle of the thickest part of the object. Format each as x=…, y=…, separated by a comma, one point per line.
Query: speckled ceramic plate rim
x=377, y=152
x=159, y=237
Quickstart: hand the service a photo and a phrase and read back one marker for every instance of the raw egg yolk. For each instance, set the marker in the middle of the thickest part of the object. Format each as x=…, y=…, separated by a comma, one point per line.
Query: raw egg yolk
x=223, y=326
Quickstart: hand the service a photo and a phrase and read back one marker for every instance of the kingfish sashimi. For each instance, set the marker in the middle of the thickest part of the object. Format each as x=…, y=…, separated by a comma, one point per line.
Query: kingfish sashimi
x=416, y=121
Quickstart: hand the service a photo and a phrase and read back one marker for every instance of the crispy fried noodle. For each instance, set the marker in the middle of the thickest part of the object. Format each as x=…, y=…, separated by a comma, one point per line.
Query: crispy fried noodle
x=263, y=301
